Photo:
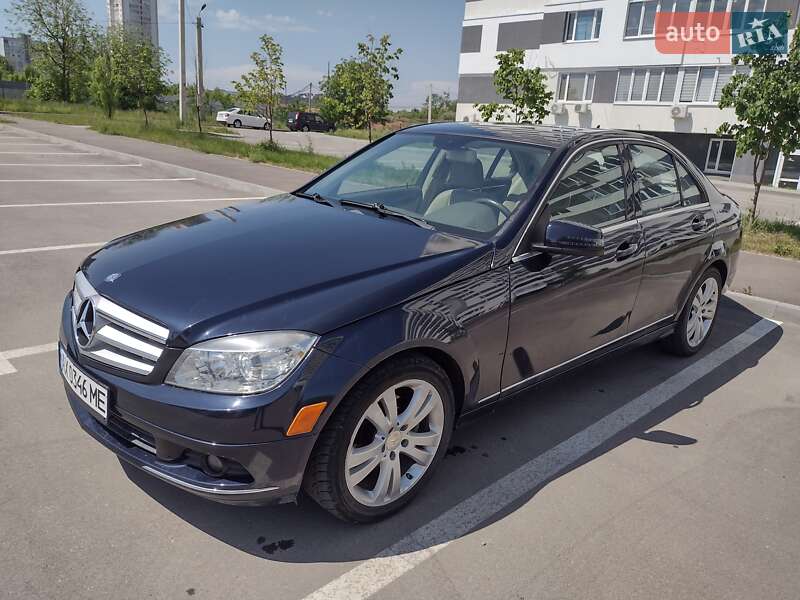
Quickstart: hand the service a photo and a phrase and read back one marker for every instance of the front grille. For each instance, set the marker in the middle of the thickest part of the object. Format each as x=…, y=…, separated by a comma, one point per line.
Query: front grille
x=113, y=335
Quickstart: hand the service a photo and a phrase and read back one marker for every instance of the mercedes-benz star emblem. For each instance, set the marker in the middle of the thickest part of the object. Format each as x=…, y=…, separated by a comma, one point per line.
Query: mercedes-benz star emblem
x=84, y=327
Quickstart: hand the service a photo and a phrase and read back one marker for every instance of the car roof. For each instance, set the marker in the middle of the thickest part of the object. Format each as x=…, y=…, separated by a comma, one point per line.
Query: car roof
x=552, y=136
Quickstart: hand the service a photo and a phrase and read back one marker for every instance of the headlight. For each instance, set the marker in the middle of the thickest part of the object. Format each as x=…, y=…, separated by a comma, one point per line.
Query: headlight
x=241, y=364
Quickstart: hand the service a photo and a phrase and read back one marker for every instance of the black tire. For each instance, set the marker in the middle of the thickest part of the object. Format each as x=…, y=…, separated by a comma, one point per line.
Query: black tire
x=678, y=342
x=266, y=126
x=306, y=129
x=324, y=479
x=237, y=123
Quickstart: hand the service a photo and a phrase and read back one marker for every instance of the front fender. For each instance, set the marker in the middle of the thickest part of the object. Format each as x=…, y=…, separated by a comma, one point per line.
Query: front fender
x=467, y=322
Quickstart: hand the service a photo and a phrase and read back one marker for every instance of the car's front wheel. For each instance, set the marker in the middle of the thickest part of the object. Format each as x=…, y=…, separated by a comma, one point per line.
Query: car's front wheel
x=698, y=317
x=384, y=440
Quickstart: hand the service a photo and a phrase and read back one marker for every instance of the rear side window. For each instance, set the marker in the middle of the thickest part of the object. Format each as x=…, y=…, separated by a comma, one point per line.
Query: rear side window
x=689, y=189
x=592, y=190
x=656, y=180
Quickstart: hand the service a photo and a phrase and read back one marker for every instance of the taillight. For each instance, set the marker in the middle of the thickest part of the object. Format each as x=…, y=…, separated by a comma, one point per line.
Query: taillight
x=296, y=116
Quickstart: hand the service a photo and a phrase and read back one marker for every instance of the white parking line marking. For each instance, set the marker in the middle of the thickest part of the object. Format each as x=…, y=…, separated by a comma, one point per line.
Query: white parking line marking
x=6, y=368
x=51, y=153
x=49, y=248
x=374, y=574
x=113, y=202
x=70, y=165
x=28, y=144
x=94, y=180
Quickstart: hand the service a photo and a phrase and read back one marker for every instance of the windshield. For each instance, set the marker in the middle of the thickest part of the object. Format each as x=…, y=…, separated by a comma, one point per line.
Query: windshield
x=468, y=184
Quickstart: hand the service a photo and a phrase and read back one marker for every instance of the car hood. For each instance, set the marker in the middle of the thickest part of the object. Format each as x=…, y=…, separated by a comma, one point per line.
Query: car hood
x=281, y=263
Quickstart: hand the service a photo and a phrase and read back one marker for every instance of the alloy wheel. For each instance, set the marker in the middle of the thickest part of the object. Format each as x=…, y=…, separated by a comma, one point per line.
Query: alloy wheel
x=701, y=315
x=394, y=443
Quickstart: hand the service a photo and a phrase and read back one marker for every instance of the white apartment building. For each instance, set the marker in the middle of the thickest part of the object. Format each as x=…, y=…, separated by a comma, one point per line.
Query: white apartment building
x=604, y=69
x=136, y=16
x=17, y=51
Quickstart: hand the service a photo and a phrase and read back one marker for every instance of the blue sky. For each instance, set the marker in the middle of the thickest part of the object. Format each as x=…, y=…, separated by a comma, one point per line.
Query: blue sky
x=313, y=32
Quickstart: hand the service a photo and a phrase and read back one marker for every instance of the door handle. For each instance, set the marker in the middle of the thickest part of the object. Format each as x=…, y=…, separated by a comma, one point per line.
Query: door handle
x=626, y=249
x=699, y=223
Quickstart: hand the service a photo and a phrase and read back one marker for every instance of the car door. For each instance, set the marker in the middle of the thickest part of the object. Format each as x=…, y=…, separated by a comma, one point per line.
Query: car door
x=676, y=219
x=563, y=306
x=319, y=124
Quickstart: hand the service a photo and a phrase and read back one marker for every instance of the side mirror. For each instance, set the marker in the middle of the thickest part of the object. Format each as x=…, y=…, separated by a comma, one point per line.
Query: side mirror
x=565, y=237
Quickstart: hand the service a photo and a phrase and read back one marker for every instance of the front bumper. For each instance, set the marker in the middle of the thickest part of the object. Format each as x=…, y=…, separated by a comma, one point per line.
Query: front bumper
x=168, y=432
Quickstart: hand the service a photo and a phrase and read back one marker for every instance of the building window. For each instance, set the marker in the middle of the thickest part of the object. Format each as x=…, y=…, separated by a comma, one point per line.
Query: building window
x=583, y=25
x=575, y=87
x=704, y=85
x=471, y=38
x=642, y=13
x=647, y=85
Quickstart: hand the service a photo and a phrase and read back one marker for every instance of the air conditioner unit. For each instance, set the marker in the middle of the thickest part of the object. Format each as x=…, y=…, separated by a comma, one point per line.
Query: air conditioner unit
x=558, y=108
x=679, y=111
x=583, y=108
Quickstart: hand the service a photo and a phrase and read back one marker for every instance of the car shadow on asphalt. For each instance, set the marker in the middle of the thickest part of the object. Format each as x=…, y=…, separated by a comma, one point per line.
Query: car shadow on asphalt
x=483, y=451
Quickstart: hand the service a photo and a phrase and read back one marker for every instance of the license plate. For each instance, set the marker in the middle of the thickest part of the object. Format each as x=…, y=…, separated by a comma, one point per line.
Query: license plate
x=94, y=395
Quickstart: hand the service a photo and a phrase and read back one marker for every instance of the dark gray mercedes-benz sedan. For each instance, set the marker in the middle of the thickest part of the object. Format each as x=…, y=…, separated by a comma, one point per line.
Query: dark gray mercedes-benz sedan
x=329, y=340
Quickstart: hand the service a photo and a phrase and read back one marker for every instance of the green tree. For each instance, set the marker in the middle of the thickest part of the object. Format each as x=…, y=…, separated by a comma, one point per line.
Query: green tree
x=525, y=90
x=341, y=103
x=138, y=70
x=265, y=83
x=443, y=108
x=379, y=69
x=104, y=83
x=767, y=107
x=62, y=30
x=358, y=92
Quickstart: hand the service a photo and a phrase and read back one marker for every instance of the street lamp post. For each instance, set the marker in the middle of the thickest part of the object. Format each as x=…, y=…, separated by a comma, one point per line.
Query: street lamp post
x=199, y=88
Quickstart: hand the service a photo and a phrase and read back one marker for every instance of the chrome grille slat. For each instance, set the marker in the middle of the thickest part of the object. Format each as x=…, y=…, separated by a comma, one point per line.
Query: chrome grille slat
x=120, y=361
x=120, y=338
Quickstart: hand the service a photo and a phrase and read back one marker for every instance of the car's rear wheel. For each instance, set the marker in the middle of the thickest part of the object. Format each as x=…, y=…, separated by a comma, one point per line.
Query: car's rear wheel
x=237, y=123
x=698, y=317
x=384, y=441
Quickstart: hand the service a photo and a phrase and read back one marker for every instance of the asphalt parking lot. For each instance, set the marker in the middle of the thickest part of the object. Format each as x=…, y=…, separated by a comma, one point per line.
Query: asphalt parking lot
x=643, y=476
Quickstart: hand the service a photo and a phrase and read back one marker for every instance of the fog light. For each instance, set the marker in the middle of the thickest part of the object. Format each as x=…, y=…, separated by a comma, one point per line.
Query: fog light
x=215, y=465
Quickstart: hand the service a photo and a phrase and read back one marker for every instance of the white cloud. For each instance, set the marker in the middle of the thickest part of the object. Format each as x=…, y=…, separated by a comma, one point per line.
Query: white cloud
x=324, y=13
x=233, y=19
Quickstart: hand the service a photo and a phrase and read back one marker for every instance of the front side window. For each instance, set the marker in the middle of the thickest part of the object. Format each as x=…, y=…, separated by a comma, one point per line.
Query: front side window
x=466, y=185
x=592, y=189
x=583, y=25
x=576, y=87
x=655, y=178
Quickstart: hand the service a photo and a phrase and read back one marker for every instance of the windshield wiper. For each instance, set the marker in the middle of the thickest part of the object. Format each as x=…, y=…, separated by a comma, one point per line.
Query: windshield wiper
x=385, y=211
x=318, y=198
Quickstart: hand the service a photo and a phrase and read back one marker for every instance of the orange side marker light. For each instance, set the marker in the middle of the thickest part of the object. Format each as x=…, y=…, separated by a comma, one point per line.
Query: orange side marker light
x=306, y=418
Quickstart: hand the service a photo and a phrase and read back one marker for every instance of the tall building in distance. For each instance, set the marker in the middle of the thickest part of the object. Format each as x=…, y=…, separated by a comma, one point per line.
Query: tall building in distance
x=139, y=17
x=17, y=51
x=604, y=69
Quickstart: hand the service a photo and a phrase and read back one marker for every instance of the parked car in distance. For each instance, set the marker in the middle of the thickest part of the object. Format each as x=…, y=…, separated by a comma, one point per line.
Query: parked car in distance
x=238, y=117
x=330, y=339
x=308, y=121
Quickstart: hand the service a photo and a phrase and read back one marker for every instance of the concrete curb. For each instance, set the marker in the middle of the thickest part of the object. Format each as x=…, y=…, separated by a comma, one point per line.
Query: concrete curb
x=201, y=176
